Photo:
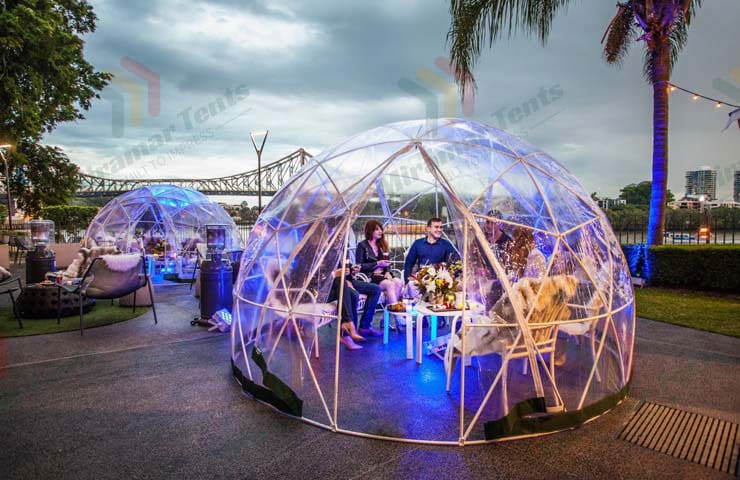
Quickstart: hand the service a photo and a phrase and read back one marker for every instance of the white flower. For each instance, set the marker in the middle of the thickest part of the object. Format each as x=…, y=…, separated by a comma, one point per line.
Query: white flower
x=445, y=276
x=431, y=287
x=431, y=271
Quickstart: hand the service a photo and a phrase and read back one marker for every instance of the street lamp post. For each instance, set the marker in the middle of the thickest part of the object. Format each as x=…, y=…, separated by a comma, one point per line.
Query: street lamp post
x=7, y=187
x=252, y=135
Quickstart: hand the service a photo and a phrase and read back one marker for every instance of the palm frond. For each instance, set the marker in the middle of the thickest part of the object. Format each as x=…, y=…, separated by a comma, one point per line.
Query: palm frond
x=678, y=37
x=476, y=23
x=672, y=35
x=689, y=9
x=619, y=35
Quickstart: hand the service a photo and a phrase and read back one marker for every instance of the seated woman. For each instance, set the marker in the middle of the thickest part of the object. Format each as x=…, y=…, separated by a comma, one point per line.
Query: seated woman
x=526, y=259
x=350, y=300
x=372, y=257
x=519, y=258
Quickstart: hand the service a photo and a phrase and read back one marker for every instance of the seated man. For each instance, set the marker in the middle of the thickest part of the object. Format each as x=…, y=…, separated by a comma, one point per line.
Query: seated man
x=428, y=250
x=500, y=241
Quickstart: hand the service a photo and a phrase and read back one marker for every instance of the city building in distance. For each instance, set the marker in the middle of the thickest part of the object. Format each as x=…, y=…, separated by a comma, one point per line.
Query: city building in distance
x=702, y=182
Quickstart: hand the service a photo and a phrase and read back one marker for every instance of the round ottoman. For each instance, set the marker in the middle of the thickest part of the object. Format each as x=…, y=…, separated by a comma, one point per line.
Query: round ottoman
x=40, y=301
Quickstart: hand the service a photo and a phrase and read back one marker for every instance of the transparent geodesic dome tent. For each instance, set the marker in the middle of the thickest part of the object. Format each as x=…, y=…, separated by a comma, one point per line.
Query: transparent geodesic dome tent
x=163, y=217
x=543, y=344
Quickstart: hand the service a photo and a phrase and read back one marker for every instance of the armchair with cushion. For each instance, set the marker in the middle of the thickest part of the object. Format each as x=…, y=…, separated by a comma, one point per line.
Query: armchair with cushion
x=112, y=276
x=544, y=301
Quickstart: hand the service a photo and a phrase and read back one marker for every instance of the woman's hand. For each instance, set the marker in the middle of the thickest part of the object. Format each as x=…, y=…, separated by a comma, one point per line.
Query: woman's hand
x=383, y=263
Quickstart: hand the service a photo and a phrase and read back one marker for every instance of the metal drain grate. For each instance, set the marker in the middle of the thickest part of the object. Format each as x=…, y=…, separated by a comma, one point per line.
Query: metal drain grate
x=689, y=436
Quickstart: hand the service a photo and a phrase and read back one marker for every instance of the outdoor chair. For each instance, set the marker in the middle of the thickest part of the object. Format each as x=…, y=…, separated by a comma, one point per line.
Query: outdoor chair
x=22, y=246
x=110, y=277
x=383, y=302
x=588, y=326
x=8, y=287
x=307, y=311
x=543, y=307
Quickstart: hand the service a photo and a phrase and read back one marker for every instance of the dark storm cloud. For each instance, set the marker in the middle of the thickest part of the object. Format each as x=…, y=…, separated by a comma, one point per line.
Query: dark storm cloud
x=320, y=71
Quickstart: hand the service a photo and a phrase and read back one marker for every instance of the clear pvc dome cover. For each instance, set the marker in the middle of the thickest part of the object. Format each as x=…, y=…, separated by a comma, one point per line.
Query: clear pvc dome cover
x=544, y=344
x=173, y=215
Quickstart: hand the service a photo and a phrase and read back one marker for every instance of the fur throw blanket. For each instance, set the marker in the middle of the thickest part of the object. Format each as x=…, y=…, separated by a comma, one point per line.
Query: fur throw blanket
x=85, y=257
x=545, y=295
x=121, y=263
x=546, y=298
x=551, y=305
x=4, y=274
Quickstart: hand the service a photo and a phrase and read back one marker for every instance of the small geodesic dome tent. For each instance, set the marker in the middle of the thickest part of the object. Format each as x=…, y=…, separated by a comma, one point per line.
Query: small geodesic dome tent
x=552, y=349
x=168, y=215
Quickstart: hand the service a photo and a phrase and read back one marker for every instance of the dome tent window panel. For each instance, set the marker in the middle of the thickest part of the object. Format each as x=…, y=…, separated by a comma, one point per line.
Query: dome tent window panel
x=517, y=200
x=468, y=171
x=571, y=208
x=470, y=175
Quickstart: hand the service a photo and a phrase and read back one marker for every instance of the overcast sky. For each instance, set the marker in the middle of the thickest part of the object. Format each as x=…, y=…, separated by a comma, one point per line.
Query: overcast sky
x=315, y=72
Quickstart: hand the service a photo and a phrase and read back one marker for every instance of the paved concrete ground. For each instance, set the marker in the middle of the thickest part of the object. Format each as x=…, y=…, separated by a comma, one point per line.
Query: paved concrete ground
x=135, y=400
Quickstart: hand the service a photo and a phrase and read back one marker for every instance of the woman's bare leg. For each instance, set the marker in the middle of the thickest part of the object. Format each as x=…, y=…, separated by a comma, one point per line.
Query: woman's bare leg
x=398, y=284
x=391, y=294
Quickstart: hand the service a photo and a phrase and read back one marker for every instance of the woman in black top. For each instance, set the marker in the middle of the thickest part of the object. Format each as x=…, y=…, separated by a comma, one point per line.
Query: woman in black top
x=372, y=257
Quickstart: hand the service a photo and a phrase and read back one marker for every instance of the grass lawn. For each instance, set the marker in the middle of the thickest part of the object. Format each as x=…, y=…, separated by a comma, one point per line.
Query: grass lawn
x=713, y=312
x=103, y=314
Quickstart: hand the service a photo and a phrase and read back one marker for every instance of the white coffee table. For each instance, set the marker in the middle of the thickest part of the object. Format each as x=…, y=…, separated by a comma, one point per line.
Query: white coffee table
x=410, y=319
x=425, y=311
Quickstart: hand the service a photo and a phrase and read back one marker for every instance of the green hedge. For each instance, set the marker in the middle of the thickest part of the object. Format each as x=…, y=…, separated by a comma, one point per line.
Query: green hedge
x=695, y=267
x=70, y=217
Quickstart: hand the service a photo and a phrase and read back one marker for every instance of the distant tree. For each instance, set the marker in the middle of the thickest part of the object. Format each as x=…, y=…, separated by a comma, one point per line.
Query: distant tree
x=69, y=218
x=639, y=194
x=244, y=211
x=725, y=217
x=44, y=77
x=628, y=217
x=97, y=201
x=44, y=80
x=41, y=176
x=682, y=219
x=247, y=214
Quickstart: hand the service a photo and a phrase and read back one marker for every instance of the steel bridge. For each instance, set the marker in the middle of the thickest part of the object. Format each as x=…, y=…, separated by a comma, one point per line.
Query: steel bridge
x=273, y=177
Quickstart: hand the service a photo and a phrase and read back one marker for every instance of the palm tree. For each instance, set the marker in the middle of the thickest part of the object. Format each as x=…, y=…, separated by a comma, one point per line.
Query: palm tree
x=661, y=24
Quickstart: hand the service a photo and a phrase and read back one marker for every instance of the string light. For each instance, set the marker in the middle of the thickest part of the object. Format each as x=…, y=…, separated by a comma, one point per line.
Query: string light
x=696, y=96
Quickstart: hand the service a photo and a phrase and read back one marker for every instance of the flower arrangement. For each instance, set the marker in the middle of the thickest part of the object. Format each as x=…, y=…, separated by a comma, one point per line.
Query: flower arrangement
x=161, y=247
x=439, y=283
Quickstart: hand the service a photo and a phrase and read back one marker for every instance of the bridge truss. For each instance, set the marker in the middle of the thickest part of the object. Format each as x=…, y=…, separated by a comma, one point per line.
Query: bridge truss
x=274, y=175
